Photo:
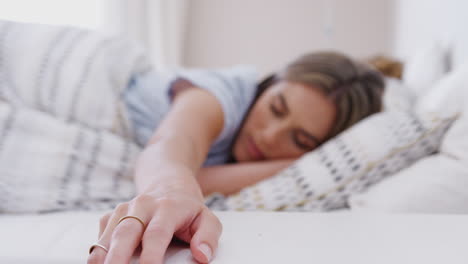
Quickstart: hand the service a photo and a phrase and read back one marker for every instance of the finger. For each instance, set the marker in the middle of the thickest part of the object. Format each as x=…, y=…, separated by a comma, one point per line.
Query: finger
x=206, y=229
x=157, y=237
x=125, y=239
x=98, y=255
x=103, y=223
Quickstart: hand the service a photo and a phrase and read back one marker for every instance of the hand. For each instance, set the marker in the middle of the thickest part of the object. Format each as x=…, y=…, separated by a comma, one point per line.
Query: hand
x=178, y=212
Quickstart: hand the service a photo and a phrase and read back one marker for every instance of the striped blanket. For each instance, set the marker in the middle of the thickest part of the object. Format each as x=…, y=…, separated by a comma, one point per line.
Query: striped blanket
x=65, y=142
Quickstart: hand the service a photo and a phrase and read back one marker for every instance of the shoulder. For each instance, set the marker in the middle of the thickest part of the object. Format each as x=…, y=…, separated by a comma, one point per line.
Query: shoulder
x=234, y=88
x=236, y=77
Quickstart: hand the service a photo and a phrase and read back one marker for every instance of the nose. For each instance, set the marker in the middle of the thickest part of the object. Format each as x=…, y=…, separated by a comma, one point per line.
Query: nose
x=273, y=133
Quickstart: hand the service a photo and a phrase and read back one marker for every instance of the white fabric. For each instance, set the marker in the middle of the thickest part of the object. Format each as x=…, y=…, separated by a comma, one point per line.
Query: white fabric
x=448, y=95
x=64, y=136
x=397, y=95
x=47, y=164
x=425, y=68
x=451, y=96
x=455, y=142
x=259, y=237
x=436, y=184
x=159, y=25
x=63, y=69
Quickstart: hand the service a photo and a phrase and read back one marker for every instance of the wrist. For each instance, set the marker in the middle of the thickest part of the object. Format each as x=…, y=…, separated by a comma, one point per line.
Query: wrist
x=167, y=181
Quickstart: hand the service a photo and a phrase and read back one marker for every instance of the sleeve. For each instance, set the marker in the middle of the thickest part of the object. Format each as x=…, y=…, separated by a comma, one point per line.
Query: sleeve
x=233, y=87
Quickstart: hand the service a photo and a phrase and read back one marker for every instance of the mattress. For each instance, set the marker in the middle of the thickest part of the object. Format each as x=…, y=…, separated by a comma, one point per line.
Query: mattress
x=259, y=237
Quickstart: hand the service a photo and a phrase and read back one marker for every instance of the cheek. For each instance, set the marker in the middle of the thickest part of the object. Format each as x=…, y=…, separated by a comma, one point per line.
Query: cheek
x=257, y=119
x=289, y=151
x=252, y=126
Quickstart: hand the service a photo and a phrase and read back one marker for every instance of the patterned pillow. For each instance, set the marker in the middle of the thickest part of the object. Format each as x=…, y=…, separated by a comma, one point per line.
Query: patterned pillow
x=361, y=156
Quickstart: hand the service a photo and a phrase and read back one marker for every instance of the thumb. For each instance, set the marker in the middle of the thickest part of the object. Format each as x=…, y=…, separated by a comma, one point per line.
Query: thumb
x=206, y=230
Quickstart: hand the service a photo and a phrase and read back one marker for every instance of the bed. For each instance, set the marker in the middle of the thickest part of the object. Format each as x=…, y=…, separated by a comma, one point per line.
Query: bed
x=255, y=237
x=344, y=235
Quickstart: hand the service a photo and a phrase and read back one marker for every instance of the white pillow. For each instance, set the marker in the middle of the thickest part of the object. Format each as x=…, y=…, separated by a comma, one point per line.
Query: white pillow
x=361, y=156
x=448, y=95
x=435, y=184
x=397, y=95
x=425, y=68
x=455, y=142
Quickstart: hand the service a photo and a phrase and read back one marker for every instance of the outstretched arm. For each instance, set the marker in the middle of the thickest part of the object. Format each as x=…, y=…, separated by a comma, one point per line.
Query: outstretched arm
x=229, y=179
x=169, y=201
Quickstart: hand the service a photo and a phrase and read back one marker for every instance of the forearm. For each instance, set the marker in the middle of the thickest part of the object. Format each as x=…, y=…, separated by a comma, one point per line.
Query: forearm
x=180, y=144
x=229, y=179
x=166, y=163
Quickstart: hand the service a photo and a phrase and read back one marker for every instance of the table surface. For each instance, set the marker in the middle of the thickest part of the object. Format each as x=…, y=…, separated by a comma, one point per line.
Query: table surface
x=260, y=237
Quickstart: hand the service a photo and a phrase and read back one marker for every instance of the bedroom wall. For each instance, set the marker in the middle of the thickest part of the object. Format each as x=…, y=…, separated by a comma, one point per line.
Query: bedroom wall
x=269, y=33
x=418, y=22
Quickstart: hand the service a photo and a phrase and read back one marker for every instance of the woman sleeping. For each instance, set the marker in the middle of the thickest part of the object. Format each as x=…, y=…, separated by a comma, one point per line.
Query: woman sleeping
x=202, y=131
x=221, y=133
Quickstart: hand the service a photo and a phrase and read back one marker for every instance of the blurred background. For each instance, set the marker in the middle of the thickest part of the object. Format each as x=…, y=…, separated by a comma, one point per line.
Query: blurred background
x=265, y=33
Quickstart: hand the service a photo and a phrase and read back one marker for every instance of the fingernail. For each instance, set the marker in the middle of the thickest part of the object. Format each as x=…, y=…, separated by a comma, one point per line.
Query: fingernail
x=206, y=250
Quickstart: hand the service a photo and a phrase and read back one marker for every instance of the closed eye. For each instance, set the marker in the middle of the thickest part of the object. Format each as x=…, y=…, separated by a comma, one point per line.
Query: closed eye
x=279, y=106
x=304, y=140
x=276, y=111
x=302, y=146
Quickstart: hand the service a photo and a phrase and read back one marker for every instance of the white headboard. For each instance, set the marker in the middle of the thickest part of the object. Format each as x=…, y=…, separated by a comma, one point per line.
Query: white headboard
x=419, y=21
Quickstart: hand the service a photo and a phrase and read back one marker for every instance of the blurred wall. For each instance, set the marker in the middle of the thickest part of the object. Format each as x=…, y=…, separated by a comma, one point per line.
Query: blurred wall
x=418, y=22
x=269, y=33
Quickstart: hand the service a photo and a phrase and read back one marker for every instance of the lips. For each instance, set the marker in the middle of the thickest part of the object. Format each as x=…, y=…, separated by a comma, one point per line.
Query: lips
x=253, y=150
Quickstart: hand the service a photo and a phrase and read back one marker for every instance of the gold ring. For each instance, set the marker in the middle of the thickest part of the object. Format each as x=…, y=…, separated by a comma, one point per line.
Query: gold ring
x=97, y=245
x=134, y=217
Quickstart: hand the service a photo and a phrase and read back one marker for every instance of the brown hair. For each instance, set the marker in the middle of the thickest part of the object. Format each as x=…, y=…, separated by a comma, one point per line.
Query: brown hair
x=388, y=66
x=355, y=87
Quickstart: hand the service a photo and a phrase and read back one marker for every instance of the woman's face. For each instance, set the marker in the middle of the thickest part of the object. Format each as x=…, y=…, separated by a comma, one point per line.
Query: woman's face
x=287, y=120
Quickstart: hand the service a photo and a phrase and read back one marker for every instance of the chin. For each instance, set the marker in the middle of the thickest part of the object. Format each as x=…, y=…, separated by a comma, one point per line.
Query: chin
x=238, y=158
x=237, y=155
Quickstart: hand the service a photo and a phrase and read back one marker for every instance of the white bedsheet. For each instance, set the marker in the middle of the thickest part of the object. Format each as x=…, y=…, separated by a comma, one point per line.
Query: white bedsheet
x=260, y=237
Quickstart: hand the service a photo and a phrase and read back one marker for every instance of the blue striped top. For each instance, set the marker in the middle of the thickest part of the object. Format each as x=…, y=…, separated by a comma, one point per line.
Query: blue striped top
x=148, y=99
